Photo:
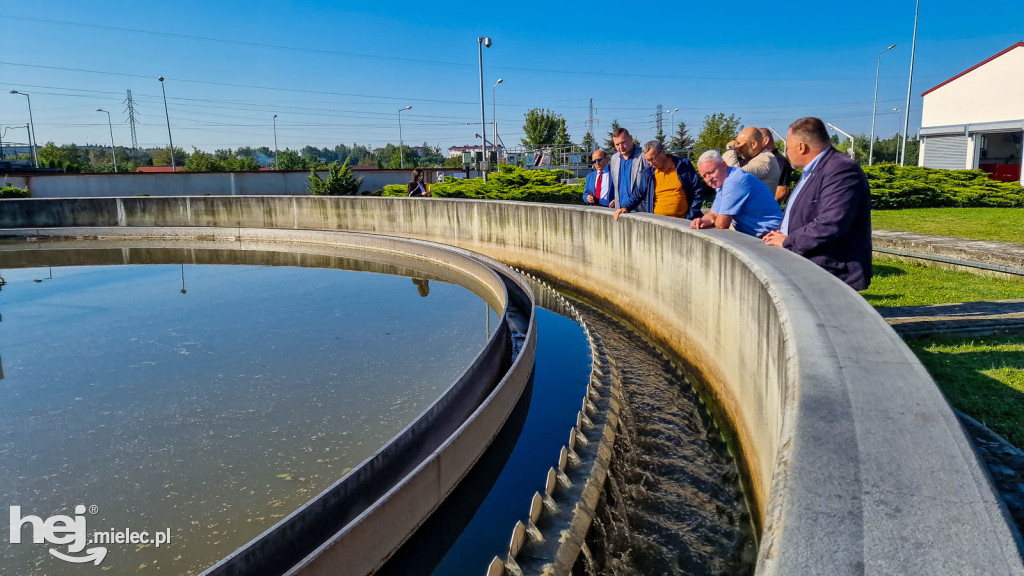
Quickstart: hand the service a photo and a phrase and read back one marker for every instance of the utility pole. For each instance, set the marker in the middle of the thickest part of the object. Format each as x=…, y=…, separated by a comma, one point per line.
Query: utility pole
x=131, y=118
x=659, y=114
x=590, y=127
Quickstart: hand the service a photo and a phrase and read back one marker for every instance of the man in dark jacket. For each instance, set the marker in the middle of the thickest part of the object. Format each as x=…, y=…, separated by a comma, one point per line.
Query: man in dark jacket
x=828, y=216
x=668, y=185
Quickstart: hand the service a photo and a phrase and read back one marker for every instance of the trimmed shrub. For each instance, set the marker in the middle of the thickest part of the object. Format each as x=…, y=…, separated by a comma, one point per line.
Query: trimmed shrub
x=513, y=183
x=894, y=187
x=396, y=190
x=13, y=192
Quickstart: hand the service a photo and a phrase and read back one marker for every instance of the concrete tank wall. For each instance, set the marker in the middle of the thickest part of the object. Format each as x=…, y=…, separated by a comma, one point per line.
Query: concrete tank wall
x=856, y=460
x=270, y=182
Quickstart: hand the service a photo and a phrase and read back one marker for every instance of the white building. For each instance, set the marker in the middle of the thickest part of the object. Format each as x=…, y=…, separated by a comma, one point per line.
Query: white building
x=976, y=118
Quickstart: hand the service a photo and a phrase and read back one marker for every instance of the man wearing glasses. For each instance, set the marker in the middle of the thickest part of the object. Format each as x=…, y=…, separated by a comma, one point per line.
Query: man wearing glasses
x=598, y=189
x=668, y=186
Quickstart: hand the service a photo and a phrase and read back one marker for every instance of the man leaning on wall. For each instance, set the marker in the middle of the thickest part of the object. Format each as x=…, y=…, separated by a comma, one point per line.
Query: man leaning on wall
x=626, y=165
x=828, y=216
x=669, y=186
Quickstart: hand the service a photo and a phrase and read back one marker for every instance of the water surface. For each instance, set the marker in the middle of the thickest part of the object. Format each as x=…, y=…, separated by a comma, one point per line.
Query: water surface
x=211, y=400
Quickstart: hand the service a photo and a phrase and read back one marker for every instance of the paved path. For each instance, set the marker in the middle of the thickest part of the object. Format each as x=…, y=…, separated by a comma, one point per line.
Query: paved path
x=954, y=319
x=995, y=256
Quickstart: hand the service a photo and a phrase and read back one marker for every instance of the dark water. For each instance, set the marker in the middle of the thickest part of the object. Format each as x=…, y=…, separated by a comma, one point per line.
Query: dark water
x=673, y=503
x=214, y=412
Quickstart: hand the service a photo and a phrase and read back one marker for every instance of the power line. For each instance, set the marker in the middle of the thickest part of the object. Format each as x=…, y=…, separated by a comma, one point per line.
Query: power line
x=802, y=78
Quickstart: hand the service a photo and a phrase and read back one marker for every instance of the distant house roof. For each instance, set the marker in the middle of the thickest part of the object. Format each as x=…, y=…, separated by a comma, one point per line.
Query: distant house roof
x=471, y=147
x=976, y=66
x=156, y=169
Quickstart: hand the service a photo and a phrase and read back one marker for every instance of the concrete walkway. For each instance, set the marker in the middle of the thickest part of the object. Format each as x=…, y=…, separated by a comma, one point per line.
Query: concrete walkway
x=993, y=256
x=969, y=318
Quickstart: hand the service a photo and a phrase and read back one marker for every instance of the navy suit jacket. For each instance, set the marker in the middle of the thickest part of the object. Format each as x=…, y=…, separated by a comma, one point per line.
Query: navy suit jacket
x=830, y=220
x=590, y=185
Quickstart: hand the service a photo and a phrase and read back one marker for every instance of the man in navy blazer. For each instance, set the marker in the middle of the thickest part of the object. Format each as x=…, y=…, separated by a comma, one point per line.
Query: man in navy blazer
x=828, y=217
x=604, y=195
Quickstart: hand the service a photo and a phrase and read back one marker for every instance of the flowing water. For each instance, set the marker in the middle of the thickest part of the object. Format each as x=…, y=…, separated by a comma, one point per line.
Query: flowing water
x=673, y=502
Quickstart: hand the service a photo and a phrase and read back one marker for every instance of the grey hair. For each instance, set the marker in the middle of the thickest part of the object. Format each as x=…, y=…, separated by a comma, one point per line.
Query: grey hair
x=653, y=145
x=710, y=156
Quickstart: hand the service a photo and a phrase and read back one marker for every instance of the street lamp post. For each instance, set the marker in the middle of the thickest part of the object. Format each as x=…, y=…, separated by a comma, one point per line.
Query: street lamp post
x=168, y=116
x=481, y=42
x=276, y=167
x=874, y=106
x=32, y=125
x=844, y=134
x=401, y=152
x=900, y=110
x=494, y=114
x=111, y=126
x=910, y=82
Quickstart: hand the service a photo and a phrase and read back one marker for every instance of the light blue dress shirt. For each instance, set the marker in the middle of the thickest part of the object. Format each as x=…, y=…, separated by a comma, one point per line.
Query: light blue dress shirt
x=799, y=186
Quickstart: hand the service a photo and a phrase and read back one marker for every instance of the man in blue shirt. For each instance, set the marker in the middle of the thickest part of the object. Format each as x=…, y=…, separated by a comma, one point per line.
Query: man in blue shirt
x=598, y=189
x=626, y=166
x=743, y=201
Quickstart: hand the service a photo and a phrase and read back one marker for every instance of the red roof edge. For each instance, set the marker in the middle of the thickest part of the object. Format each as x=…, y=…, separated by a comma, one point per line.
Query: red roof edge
x=978, y=65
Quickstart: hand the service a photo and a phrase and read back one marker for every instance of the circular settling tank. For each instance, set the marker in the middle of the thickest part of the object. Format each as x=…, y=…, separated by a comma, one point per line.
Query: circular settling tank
x=208, y=400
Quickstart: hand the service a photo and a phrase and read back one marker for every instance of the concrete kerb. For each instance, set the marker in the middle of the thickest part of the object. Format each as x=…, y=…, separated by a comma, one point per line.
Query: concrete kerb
x=858, y=463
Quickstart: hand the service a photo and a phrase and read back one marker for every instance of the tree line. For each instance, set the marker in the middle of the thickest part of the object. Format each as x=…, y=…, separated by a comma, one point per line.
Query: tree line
x=73, y=158
x=544, y=128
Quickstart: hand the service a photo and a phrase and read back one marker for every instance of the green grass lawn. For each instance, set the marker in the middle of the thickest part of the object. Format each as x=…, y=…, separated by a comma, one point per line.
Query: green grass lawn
x=897, y=283
x=982, y=377
x=999, y=224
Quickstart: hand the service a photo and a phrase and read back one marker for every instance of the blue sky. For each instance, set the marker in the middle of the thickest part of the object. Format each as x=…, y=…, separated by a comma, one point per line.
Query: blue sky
x=338, y=74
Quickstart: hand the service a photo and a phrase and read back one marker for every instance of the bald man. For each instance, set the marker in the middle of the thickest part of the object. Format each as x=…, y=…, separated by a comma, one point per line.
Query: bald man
x=747, y=153
x=782, y=191
x=598, y=189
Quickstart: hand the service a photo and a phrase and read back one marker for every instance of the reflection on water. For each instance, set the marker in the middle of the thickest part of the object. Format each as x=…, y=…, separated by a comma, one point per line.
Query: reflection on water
x=211, y=400
x=422, y=286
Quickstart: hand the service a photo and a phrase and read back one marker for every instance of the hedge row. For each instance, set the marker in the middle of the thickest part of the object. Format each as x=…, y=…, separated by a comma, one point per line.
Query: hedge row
x=508, y=183
x=13, y=192
x=894, y=187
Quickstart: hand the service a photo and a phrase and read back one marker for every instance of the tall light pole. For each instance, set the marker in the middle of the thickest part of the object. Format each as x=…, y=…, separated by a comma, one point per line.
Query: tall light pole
x=276, y=167
x=832, y=126
x=32, y=125
x=168, y=116
x=900, y=110
x=874, y=106
x=481, y=42
x=910, y=82
x=494, y=114
x=111, y=126
x=401, y=152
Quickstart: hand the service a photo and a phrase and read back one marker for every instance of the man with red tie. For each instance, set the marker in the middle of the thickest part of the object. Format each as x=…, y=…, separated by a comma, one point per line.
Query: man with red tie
x=598, y=190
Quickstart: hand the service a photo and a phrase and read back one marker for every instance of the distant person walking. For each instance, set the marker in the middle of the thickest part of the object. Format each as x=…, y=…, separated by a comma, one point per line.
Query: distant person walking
x=418, y=187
